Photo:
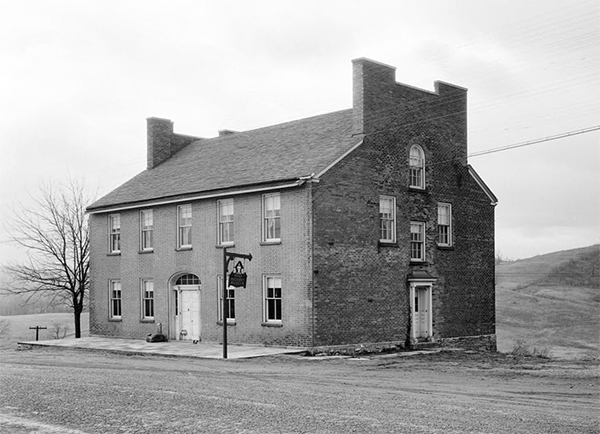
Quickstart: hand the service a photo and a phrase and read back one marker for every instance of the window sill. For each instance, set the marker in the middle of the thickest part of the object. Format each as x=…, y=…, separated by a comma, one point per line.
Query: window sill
x=442, y=247
x=147, y=320
x=272, y=324
x=417, y=190
x=113, y=254
x=183, y=249
x=229, y=323
x=143, y=252
x=417, y=262
x=227, y=246
x=115, y=319
x=388, y=243
x=270, y=243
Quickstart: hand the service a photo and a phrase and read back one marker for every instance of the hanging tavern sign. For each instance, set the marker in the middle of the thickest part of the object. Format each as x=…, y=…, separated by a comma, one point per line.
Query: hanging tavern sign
x=237, y=278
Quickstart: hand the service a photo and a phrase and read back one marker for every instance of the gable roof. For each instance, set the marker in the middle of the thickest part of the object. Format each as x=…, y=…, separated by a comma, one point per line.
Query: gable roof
x=283, y=152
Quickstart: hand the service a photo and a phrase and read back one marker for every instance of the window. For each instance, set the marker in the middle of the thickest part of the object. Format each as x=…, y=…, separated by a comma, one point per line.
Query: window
x=115, y=299
x=416, y=164
x=188, y=279
x=114, y=233
x=147, y=299
x=184, y=226
x=146, y=229
x=417, y=241
x=272, y=217
x=444, y=224
x=230, y=301
x=387, y=219
x=225, y=221
x=272, y=299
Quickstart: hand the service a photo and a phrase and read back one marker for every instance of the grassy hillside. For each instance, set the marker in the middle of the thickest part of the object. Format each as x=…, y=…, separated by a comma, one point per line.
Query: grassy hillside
x=551, y=302
x=15, y=328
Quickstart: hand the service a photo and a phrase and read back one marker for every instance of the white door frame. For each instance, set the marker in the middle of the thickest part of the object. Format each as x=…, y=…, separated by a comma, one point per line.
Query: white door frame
x=428, y=286
x=177, y=319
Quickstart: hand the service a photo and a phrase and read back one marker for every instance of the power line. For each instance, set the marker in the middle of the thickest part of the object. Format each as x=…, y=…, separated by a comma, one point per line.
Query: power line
x=533, y=142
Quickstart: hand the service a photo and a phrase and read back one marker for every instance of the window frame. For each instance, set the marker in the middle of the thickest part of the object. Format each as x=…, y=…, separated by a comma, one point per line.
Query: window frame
x=146, y=230
x=447, y=225
x=230, y=301
x=391, y=219
x=114, y=301
x=276, y=226
x=228, y=222
x=147, y=302
x=277, y=301
x=114, y=233
x=417, y=242
x=180, y=227
x=416, y=168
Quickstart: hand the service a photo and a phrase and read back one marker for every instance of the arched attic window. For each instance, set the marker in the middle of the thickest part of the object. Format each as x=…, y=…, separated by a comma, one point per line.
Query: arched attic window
x=188, y=279
x=416, y=162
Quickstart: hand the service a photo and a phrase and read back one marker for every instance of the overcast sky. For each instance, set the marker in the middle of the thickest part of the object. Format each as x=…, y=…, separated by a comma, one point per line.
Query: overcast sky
x=79, y=78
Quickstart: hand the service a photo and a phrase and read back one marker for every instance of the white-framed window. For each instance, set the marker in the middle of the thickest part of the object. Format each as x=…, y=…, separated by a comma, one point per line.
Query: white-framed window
x=230, y=301
x=114, y=296
x=184, y=226
x=146, y=230
x=114, y=233
x=272, y=217
x=417, y=241
x=416, y=163
x=444, y=224
x=226, y=219
x=387, y=219
x=272, y=299
x=147, y=299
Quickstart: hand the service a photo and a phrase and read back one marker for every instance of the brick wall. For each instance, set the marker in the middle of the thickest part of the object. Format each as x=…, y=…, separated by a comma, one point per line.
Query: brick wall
x=361, y=290
x=291, y=259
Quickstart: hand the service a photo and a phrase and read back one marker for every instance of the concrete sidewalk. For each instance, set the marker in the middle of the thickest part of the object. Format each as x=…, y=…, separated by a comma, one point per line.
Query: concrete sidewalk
x=173, y=348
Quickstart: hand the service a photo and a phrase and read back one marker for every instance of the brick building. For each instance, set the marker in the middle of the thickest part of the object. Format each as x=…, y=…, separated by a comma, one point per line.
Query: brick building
x=366, y=225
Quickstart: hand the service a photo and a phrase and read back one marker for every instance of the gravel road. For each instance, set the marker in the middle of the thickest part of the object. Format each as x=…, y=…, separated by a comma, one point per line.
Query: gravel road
x=69, y=391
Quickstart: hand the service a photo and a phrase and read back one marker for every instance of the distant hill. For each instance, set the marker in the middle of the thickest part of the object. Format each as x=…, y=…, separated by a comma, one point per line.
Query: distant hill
x=551, y=301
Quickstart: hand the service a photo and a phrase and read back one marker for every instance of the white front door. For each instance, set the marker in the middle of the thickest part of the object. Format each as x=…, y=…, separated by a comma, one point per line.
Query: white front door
x=189, y=315
x=421, y=313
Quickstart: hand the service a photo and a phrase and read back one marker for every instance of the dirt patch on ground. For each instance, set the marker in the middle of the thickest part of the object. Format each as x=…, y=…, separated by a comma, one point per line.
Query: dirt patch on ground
x=437, y=392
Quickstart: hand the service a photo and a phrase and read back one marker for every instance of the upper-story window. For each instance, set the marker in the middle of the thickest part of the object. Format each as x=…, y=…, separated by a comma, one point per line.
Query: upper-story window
x=146, y=229
x=184, y=226
x=114, y=233
x=417, y=241
x=416, y=164
x=387, y=219
x=225, y=221
x=271, y=217
x=444, y=224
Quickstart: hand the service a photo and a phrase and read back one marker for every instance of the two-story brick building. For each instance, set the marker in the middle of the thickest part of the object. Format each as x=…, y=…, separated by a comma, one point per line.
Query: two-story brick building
x=365, y=225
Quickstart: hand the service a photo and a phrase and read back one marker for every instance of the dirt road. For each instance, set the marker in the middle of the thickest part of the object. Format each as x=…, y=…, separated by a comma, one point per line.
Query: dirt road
x=57, y=390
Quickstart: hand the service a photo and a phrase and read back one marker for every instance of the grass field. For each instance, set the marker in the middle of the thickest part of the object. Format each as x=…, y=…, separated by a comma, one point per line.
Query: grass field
x=15, y=328
x=535, y=307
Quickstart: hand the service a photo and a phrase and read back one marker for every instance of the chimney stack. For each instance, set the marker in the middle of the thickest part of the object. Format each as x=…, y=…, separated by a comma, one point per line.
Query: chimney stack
x=160, y=134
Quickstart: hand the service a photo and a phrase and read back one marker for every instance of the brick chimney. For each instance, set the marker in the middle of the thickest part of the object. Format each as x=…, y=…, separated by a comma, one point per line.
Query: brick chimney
x=373, y=91
x=160, y=135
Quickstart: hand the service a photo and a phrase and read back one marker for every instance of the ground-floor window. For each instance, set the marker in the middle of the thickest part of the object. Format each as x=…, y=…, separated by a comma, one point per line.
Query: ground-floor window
x=115, y=299
x=147, y=299
x=230, y=301
x=272, y=299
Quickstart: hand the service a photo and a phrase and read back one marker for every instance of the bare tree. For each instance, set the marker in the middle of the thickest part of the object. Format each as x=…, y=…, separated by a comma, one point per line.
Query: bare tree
x=55, y=234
